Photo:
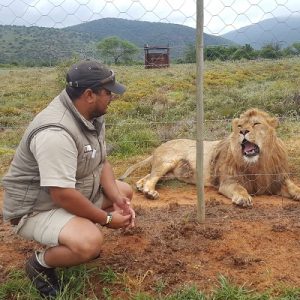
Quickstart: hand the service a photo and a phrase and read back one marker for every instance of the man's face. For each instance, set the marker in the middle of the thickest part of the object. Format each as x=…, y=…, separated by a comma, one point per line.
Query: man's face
x=103, y=98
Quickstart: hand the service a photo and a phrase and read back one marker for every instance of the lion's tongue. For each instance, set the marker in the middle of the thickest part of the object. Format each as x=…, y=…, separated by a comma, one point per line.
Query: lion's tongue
x=249, y=148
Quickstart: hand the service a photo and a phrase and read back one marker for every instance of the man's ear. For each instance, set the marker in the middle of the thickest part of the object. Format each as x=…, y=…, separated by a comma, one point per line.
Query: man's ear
x=89, y=96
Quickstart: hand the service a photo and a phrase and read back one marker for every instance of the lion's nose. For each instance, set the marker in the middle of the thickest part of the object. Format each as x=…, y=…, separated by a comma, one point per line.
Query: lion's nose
x=244, y=132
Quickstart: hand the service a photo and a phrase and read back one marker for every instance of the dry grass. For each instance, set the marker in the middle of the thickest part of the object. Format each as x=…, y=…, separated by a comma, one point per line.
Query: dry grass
x=160, y=104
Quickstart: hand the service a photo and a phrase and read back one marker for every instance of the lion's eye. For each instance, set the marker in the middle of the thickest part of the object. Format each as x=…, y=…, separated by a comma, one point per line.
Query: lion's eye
x=256, y=123
x=239, y=126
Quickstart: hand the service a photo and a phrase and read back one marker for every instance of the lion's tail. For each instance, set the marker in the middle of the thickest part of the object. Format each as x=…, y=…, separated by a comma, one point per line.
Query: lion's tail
x=135, y=166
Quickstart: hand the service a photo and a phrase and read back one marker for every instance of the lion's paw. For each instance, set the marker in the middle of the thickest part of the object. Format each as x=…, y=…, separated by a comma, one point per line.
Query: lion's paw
x=295, y=197
x=295, y=194
x=140, y=187
x=151, y=194
x=291, y=190
x=242, y=201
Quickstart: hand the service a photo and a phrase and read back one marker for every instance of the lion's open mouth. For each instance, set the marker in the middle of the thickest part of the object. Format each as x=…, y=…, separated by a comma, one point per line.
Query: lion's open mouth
x=249, y=149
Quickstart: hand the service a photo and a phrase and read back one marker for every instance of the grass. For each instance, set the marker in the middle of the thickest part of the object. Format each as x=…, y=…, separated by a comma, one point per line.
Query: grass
x=93, y=283
x=159, y=105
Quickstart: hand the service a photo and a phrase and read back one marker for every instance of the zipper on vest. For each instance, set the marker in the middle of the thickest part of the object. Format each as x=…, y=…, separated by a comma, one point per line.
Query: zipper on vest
x=93, y=187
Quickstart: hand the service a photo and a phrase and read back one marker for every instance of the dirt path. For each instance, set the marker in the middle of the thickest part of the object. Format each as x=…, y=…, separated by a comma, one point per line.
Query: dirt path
x=258, y=246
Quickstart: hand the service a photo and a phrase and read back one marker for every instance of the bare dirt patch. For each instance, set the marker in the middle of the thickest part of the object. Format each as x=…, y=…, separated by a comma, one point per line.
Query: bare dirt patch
x=259, y=247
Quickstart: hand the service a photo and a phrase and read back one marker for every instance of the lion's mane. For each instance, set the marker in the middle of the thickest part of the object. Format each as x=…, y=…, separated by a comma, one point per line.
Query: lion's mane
x=266, y=175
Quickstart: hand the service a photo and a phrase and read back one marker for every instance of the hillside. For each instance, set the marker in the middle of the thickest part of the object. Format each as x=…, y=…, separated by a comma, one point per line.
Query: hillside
x=284, y=31
x=39, y=45
x=142, y=32
x=45, y=46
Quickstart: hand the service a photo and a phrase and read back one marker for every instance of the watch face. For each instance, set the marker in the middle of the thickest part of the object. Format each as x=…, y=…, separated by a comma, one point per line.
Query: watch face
x=108, y=218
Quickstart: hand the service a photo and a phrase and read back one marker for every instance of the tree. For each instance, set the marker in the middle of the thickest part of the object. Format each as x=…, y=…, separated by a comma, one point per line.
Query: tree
x=271, y=51
x=296, y=48
x=190, y=53
x=244, y=52
x=117, y=50
x=219, y=52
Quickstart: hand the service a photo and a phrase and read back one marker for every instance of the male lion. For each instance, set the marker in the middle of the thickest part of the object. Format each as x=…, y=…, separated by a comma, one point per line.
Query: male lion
x=251, y=160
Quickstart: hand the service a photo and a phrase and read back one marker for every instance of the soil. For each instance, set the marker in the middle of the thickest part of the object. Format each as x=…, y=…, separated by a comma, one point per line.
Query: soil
x=258, y=247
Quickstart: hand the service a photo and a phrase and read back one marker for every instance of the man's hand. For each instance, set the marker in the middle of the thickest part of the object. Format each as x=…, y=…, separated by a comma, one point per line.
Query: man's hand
x=111, y=192
x=124, y=207
x=119, y=220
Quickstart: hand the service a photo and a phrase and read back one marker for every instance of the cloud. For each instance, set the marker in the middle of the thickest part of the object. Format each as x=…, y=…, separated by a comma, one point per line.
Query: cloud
x=220, y=16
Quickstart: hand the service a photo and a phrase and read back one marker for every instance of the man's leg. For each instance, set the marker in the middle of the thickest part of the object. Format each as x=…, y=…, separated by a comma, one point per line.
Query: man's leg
x=80, y=241
x=124, y=189
x=73, y=241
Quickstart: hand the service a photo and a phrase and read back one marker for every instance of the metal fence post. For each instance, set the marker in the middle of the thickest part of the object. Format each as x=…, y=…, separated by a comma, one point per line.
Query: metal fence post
x=200, y=112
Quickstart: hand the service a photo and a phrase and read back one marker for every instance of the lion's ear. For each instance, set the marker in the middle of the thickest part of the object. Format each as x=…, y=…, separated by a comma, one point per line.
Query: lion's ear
x=234, y=122
x=273, y=122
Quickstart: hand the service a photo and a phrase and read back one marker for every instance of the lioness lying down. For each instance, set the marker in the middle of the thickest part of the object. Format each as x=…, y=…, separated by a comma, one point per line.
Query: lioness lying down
x=251, y=160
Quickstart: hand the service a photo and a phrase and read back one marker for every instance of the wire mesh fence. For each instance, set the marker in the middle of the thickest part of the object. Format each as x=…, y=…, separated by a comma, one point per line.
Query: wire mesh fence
x=45, y=32
x=251, y=53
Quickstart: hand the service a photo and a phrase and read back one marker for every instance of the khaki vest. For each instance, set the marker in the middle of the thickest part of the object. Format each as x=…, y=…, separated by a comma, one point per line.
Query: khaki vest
x=22, y=191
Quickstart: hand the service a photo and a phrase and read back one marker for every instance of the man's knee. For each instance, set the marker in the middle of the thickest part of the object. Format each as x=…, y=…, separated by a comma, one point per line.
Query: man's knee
x=125, y=189
x=83, y=238
x=129, y=192
x=88, y=248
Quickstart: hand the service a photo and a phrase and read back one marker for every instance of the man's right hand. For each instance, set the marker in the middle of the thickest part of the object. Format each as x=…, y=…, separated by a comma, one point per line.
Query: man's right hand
x=119, y=220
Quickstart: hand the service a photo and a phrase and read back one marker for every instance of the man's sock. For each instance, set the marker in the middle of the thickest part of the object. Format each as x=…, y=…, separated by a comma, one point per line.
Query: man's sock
x=40, y=258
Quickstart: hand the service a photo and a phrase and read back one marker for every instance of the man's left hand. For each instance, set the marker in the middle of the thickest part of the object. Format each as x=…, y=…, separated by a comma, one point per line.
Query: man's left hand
x=123, y=203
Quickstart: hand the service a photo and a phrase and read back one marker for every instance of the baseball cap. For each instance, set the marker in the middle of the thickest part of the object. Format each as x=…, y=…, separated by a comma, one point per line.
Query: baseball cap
x=91, y=73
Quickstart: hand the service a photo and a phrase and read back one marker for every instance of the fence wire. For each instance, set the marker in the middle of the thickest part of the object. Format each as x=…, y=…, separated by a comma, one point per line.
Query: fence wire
x=233, y=29
x=251, y=51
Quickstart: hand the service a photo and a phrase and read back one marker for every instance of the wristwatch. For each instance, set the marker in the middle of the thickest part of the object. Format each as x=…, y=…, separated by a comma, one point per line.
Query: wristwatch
x=108, y=219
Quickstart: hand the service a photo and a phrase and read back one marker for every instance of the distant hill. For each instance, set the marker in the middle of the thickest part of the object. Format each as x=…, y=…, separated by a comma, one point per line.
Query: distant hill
x=41, y=45
x=284, y=31
x=142, y=32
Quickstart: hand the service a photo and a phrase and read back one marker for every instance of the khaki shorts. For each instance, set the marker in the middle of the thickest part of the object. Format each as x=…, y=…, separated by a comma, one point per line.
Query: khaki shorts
x=45, y=227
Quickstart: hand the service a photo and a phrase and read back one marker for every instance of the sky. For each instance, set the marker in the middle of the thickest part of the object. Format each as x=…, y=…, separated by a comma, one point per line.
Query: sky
x=220, y=16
